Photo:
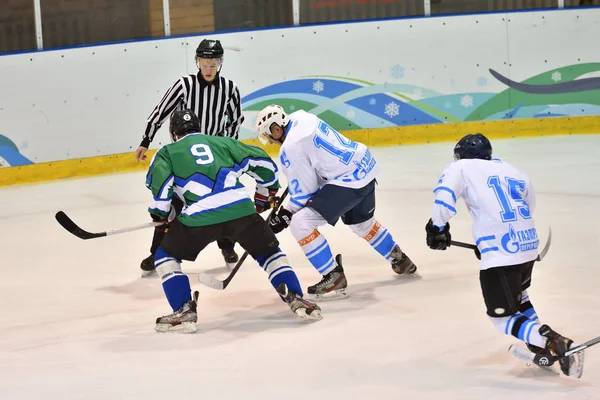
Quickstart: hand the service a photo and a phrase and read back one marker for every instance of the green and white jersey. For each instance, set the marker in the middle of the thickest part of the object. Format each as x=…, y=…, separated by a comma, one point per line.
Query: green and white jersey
x=204, y=172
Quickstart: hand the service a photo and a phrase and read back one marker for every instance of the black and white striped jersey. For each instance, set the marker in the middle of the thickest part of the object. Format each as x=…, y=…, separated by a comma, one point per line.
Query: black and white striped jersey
x=217, y=105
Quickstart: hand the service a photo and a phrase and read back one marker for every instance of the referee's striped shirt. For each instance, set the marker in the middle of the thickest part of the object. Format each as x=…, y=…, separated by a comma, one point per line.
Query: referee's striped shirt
x=217, y=105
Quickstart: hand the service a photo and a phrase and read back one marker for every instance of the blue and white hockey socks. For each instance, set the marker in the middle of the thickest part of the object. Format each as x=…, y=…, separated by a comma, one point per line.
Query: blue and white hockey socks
x=377, y=236
x=279, y=271
x=521, y=327
x=175, y=283
x=526, y=307
x=318, y=252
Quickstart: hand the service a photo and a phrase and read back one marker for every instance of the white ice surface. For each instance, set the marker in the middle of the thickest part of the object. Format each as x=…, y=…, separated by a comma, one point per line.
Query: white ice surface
x=76, y=321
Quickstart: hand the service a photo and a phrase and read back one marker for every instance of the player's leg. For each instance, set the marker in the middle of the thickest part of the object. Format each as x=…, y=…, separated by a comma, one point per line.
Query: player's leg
x=501, y=288
x=180, y=243
x=227, y=251
x=324, y=207
x=255, y=236
x=556, y=343
x=147, y=264
x=361, y=220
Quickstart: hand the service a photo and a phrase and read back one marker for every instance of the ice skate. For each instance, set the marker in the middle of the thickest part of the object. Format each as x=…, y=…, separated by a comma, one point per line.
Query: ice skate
x=558, y=344
x=299, y=306
x=231, y=258
x=147, y=266
x=543, y=352
x=402, y=265
x=183, y=320
x=333, y=286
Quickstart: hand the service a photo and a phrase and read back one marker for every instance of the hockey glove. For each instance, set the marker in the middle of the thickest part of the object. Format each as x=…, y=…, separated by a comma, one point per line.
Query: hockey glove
x=167, y=220
x=281, y=220
x=263, y=198
x=437, y=239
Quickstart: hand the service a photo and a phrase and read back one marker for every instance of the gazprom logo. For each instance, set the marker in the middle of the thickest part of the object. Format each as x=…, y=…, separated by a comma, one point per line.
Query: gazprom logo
x=524, y=240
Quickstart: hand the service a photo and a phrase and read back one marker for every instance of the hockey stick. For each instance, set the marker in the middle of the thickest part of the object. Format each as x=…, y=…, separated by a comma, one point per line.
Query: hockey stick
x=72, y=227
x=212, y=282
x=541, y=360
x=540, y=256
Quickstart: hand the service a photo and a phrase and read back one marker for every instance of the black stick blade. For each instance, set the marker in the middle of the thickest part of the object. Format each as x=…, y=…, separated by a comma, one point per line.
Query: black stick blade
x=70, y=226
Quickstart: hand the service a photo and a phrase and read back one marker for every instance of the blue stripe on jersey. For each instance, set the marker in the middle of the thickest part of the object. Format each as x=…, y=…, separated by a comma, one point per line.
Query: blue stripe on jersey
x=445, y=189
x=198, y=178
x=481, y=239
x=162, y=188
x=293, y=201
x=238, y=169
x=219, y=207
x=448, y=206
x=305, y=196
x=483, y=251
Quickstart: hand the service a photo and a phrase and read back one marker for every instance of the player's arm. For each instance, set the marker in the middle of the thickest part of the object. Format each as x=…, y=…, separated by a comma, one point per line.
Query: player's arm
x=256, y=163
x=447, y=191
x=303, y=183
x=157, y=117
x=234, y=114
x=160, y=180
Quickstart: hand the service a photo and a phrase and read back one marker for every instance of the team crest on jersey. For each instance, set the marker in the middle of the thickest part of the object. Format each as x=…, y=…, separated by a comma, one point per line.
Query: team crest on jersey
x=524, y=240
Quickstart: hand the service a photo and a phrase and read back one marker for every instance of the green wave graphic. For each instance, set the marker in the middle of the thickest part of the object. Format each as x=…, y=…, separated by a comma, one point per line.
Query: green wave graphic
x=511, y=98
x=365, y=91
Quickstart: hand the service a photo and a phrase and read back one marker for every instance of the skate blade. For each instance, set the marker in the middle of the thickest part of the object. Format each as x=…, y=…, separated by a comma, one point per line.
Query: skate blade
x=230, y=266
x=313, y=316
x=576, y=369
x=415, y=275
x=335, y=295
x=184, y=327
x=149, y=274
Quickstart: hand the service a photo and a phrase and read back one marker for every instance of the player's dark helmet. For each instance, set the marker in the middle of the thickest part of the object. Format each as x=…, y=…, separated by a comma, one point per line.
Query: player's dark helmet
x=182, y=123
x=209, y=49
x=473, y=146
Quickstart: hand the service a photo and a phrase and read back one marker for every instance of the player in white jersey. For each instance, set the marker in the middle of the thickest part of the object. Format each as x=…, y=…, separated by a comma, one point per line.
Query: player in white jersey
x=329, y=177
x=501, y=200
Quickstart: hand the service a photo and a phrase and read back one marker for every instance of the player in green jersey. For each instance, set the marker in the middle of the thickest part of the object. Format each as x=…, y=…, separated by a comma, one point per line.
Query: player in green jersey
x=203, y=171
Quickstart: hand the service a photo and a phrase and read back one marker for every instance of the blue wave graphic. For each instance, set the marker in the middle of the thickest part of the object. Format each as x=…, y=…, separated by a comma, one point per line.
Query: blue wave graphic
x=330, y=89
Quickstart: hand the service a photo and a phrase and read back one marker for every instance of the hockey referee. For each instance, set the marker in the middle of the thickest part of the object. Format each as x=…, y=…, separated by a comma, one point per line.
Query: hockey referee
x=216, y=101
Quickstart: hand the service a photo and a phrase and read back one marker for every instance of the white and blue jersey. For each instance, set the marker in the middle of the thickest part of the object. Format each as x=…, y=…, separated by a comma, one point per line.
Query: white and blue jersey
x=314, y=155
x=500, y=199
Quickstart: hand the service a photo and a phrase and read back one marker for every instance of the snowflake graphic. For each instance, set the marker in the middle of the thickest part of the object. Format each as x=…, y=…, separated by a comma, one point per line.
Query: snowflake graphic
x=482, y=81
x=556, y=76
x=292, y=107
x=318, y=86
x=350, y=114
x=392, y=109
x=397, y=71
x=447, y=104
x=466, y=101
x=372, y=101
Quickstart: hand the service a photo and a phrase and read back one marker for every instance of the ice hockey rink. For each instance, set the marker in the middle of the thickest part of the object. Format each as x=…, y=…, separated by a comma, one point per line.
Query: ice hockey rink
x=77, y=321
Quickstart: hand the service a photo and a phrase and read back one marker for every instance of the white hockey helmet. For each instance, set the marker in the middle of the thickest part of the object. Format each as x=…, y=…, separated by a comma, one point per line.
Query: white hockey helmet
x=272, y=114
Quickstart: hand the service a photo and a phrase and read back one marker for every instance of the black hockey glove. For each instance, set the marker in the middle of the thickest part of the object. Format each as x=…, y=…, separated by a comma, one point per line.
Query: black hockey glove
x=437, y=239
x=281, y=220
